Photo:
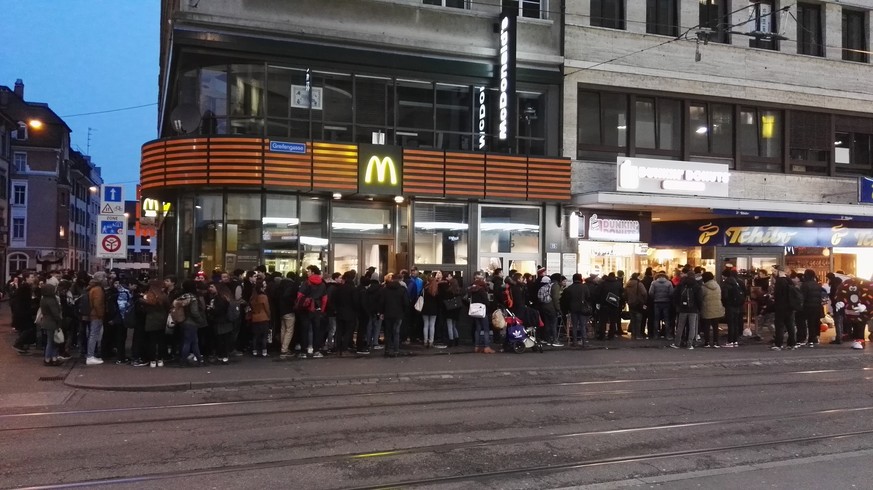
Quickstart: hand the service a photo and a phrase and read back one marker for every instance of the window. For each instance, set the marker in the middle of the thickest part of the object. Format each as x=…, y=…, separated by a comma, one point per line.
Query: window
x=4, y=182
x=602, y=124
x=415, y=114
x=853, y=145
x=657, y=125
x=662, y=17
x=714, y=16
x=761, y=134
x=513, y=230
x=854, y=36
x=531, y=123
x=764, y=22
x=454, y=119
x=458, y=4
x=711, y=129
x=19, y=194
x=20, y=162
x=533, y=9
x=607, y=13
x=441, y=233
x=809, y=35
x=21, y=133
x=18, y=228
x=810, y=142
x=17, y=262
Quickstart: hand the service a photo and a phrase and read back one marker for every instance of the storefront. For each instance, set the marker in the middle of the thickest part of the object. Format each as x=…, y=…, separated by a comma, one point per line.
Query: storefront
x=610, y=241
x=246, y=201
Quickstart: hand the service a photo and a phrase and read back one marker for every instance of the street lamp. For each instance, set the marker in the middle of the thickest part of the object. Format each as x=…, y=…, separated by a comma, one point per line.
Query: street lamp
x=35, y=123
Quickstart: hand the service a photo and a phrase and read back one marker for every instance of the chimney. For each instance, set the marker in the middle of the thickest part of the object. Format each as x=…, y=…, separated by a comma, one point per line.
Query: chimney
x=19, y=89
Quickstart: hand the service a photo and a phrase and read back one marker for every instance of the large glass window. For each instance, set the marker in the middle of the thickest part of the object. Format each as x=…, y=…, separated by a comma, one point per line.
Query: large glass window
x=209, y=232
x=810, y=142
x=764, y=21
x=662, y=17
x=313, y=232
x=608, y=13
x=658, y=125
x=761, y=133
x=714, y=16
x=441, y=232
x=246, y=99
x=809, y=29
x=333, y=116
x=361, y=221
x=244, y=230
x=415, y=114
x=854, y=36
x=213, y=100
x=602, y=124
x=454, y=119
x=280, y=233
x=711, y=129
x=853, y=144
x=280, y=92
x=509, y=230
x=374, y=103
x=531, y=124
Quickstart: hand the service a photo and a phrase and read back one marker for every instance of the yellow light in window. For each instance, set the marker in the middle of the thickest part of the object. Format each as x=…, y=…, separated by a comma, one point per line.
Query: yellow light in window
x=768, y=124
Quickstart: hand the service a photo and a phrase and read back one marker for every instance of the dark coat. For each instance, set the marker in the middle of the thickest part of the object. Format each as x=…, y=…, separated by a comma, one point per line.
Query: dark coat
x=394, y=302
x=695, y=303
x=344, y=301
x=216, y=314
x=812, y=295
x=52, y=319
x=575, y=298
x=610, y=285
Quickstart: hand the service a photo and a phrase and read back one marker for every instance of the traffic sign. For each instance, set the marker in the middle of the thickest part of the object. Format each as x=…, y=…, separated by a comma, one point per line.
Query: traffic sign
x=111, y=237
x=111, y=193
x=111, y=199
x=111, y=243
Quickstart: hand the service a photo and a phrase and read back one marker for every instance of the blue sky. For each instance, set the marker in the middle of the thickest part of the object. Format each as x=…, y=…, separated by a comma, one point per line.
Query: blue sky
x=82, y=56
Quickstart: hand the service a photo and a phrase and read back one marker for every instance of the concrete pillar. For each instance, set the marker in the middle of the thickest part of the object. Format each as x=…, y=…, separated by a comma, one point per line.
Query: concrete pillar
x=571, y=117
x=636, y=15
x=832, y=32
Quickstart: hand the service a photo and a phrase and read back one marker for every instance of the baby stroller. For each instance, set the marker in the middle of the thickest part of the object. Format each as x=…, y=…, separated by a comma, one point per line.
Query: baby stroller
x=520, y=337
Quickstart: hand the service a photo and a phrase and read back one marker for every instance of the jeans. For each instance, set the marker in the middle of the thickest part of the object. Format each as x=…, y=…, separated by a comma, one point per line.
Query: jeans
x=610, y=316
x=374, y=326
x=330, y=341
x=190, y=342
x=312, y=323
x=288, y=320
x=550, y=322
x=636, y=324
x=712, y=324
x=429, y=327
x=813, y=323
x=838, y=325
x=451, y=328
x=259, y=336
x=51, y=350
x=688, y=320
x=785, y=321
x=345, y=328
x=482, y=332
x=95, y=335
x=660, y=314
x=734, y=318
x=579, y=324
x=392, y=334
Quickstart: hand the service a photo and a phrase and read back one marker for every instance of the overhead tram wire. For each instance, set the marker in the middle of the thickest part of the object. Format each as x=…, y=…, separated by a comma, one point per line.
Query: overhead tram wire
x=120, y=109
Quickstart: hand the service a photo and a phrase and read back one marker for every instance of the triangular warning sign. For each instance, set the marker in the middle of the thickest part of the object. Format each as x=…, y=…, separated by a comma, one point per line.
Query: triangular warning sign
x=107, y=209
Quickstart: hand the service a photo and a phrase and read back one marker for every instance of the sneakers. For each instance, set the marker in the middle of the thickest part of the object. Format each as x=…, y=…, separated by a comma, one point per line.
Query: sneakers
x=857, y=345
x=140, y=363
x=810, y=344
x=690, y=347
x=93, y=361
x=775, y=347
x=716, y=346
x=557, y=344
x=160, y=363
x=254, y=353
x=363, y=352
x=439, y=346
x=224, y=361
x=264, y=353
x=674, y=346
x=318, y=355
x=236, y=353
x=378, y=347
x=153, y=364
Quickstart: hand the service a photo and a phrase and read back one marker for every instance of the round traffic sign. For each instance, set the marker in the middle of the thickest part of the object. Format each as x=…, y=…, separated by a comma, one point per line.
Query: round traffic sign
x=111, y=243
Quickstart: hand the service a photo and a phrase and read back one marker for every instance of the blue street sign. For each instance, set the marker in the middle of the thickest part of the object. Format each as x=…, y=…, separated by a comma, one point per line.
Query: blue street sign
x=111, y=227
x=865, y=190
x=112, y=193
x=286, y=147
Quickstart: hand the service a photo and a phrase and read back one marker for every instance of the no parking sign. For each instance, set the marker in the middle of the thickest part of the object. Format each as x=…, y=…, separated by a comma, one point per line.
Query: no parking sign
x=111, y=237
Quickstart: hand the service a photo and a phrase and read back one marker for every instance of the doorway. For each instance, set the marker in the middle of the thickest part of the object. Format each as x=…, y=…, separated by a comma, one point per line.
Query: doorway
x=359, y=254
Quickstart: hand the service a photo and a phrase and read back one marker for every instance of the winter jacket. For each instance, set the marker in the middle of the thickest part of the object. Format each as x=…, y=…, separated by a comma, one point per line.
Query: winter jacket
x=50, y=305
x=478, y=294
x=315, y=289
x=431, y=302
x=260, y=308
x=155, y=313
x=547, y=307
x=344, y=297
x=635, y=294
x=394, y=301
x=611, y=285
x=96, y=298
x=693, y=300
x=812, y=295
x=372, y=299
x=712, y=307
x=661, y=290
x=575, y=298
x=445, y=293
x=216, y=313
x=519, y=296
x=287, y=296
x=780, y=294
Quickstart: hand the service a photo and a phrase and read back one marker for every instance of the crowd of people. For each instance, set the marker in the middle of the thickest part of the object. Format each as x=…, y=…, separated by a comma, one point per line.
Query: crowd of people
x=213, y=319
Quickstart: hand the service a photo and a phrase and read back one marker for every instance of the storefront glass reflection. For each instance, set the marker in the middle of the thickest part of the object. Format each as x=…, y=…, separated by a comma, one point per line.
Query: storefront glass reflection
x=441, y=232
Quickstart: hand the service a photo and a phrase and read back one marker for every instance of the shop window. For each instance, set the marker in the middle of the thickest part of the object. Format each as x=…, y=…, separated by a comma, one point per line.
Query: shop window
x=853, y=145
x=415, y=114
x=809, y=29
x=209, y=232
x=313, y=232
x=662, y=17
x=532, y=9
x=531, y=123
x=244, y=235
x=658, y=125
x=810, y=142
x=440, y=233
x=361, y=221
x=764, y=20
x=509, y=230
x=281, y=233
x=760, y=132
x=715, y=17
x=854, y=36
x=602, y=125
x=711, y=129
x=454, y=118
x=458, y=4
x=608, y=13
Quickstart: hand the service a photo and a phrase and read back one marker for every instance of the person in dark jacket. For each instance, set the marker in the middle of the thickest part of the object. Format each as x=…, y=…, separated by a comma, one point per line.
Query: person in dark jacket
x=636, y=296
x=839, y=315
x=345, y=305
x=733, y=297
x=156, y=306
x=661, y=297
x=51, y=320
x=784, y=315
x=610, y=305
x=394, y=304
x=812, y=306
x=373, y=296
x=688, y=301
x=312, y=298
x=287, y=295
x=23, y=316
x=450, y=293
x=648, y=317
x=575, y=300
x=478, y=293
x=220, y=301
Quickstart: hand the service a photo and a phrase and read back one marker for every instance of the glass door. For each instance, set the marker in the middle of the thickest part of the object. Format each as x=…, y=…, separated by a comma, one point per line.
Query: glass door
x=360, y=254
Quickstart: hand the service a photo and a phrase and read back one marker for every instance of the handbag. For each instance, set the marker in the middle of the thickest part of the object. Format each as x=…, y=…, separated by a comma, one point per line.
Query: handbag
x=477, y=310
x=170, y=327
x=612, y=299
x=59, y=336
x=498, y=321
x=452, y=303
x=419, y=304
x=38, y=319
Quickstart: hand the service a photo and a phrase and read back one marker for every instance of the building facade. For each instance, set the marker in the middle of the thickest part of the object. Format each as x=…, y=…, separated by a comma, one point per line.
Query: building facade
x=707, y=131
x=8, y=125
x=422, y=133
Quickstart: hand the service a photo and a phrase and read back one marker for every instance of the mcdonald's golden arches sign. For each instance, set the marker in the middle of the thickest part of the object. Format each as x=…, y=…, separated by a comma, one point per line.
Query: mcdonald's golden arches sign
x=380, y=170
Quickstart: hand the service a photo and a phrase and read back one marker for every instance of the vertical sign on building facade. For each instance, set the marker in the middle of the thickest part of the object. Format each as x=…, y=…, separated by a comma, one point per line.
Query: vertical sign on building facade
x=506, y=105
x=111, y=224
x=482, y=118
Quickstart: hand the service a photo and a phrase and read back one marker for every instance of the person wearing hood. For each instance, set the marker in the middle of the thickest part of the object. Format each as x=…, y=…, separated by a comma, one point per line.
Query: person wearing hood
x=478, y=293
x=312, y=302
x=712, y=310
x=611, y=303
x=636, y=295
x=688, y=299
x=661, y=296
x=394, y=304
x=50, y=321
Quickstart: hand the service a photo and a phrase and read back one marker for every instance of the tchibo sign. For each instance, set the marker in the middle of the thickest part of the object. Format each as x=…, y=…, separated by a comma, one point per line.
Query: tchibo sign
x=670, y=177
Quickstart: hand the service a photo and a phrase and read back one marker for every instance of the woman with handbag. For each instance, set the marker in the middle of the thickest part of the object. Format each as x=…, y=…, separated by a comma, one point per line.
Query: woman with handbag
x=450, y=296
x=50, y=320
x=430, y=307
x=478, y=294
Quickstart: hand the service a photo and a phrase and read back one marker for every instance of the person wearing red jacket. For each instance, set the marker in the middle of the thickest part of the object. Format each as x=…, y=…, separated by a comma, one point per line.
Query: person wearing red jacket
x=311, y=304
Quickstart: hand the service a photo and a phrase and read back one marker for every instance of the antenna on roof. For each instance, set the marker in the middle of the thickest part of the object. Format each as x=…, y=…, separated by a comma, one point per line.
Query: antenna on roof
x=88, y=145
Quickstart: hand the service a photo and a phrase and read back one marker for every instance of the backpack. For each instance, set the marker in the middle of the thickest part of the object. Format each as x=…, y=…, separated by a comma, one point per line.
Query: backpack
x=544, y=293
x=232, y=314
x=177, y=312
x=685, y=297
x=730, y=294
x=795, y=298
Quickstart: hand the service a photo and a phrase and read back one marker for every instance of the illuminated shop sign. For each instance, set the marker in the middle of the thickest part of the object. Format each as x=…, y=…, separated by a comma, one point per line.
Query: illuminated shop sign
x=613, y=230
x=715, y=233
x=482, y=118
x=506, y=78
x=671, y=177
x=380, y=169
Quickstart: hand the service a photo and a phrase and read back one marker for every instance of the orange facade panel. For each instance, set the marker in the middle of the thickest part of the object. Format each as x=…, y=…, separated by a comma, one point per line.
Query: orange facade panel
x=334, y=167
x=548, y=179
x=465, y=175
x=423, y=173
x=505, y=176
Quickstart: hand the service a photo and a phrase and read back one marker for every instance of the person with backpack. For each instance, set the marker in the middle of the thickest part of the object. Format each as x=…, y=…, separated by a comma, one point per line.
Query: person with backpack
x=575, y=300
x=733, y=297
x=610, y=303
x=783, y=291
x=193, y=318
x=547, y=309
x=311, y=303
x=221, y=313
x=812, y=308
x=688, y=300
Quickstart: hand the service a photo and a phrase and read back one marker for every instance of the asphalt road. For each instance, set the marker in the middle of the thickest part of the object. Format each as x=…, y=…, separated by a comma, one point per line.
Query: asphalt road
x=752, y=426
